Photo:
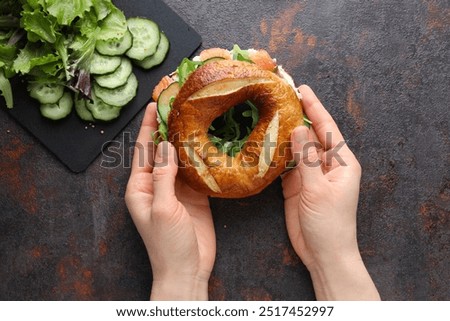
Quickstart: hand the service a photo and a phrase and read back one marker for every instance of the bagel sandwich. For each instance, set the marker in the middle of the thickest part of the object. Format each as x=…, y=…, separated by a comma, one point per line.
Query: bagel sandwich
x=229, y=114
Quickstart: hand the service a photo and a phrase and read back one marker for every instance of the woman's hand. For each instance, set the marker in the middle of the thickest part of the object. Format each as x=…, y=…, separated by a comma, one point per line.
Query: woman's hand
x=321, y=198
x=173, y=220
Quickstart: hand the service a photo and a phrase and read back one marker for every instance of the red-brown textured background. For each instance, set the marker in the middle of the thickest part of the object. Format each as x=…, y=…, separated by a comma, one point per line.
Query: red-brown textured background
x=382, y=70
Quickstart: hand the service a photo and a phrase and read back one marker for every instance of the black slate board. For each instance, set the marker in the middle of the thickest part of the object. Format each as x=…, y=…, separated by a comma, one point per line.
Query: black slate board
x=73, y=144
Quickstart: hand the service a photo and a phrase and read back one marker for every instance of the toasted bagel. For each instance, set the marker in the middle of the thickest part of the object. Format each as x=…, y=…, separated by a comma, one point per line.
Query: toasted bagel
x=209, y=92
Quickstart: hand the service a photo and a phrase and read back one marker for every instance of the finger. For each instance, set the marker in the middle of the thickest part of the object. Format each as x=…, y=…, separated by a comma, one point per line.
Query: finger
x=330, y=162
x=315, y=138
x=305, y=154
x=325, y=127
x=291, y=183
x=164, y=172
x=143, y=150
x=292, y=216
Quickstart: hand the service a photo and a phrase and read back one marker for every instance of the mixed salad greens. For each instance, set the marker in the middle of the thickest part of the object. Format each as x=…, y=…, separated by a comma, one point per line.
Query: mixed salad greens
x=76, y=52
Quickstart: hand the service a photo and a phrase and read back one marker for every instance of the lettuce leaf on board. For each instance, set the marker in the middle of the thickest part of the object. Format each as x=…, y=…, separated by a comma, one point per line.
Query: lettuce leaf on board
x=33, y=56
x=114, y=26
x=54, y=40
x=65, y=11
x=102, y=8
x=40, y=25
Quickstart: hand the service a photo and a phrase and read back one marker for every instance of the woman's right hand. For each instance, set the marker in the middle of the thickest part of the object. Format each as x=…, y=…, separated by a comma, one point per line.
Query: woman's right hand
x=321, y=198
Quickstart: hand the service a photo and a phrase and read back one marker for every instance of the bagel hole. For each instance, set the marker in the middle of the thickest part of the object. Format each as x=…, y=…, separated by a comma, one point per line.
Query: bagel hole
x=230, y=130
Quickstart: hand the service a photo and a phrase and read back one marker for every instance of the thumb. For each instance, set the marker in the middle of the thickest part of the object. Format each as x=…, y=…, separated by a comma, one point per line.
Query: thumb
x=164, y=172
x=304, y=150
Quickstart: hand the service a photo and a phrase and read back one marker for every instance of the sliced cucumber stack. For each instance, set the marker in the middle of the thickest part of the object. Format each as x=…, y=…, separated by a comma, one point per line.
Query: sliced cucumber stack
x=101, y=65
x=81, y=109
x=58, y=110
x=46, y=93
x=117, y=78
x=146, y=36
x=115, y=47
x=101, y=110
x=119, y=96
x=165, y=100
x=158, y=57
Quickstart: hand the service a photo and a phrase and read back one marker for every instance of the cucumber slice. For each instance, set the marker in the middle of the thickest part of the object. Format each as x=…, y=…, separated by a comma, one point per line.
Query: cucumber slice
x=101, y=65
x=101, y=110
x=164, y=101
x=163, y=131
x=59, y=110
x=119, y=96
x=158, y=57
x=146, y=38
x=81, y=109
x=212, y=59
x=115, y=47
x=117, y=78
x=46, y=93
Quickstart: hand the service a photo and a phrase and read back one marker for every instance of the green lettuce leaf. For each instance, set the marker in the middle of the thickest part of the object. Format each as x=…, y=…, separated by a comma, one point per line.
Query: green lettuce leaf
x=102, y=8
x=5, y=89
x=185, y=68
x=84, y=48
x=39, y=25
x=34, y=4
x=241, y=55
x=88, y=26
x=61, y=48
x=32, y=56
x=113, y=26
x=7, y=53
x=65, y=11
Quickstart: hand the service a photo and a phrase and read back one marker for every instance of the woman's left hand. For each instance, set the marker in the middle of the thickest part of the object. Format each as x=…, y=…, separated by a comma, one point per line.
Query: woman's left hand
x=174, y=221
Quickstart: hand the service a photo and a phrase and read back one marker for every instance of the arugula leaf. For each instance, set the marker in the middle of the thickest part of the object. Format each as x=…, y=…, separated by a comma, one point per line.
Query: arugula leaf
x=228, y=137
x=5, y=88
x=253, y=113
x=65, y=11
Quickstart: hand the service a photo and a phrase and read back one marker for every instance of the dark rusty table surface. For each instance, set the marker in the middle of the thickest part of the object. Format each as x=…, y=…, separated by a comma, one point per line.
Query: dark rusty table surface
x=382, y=70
